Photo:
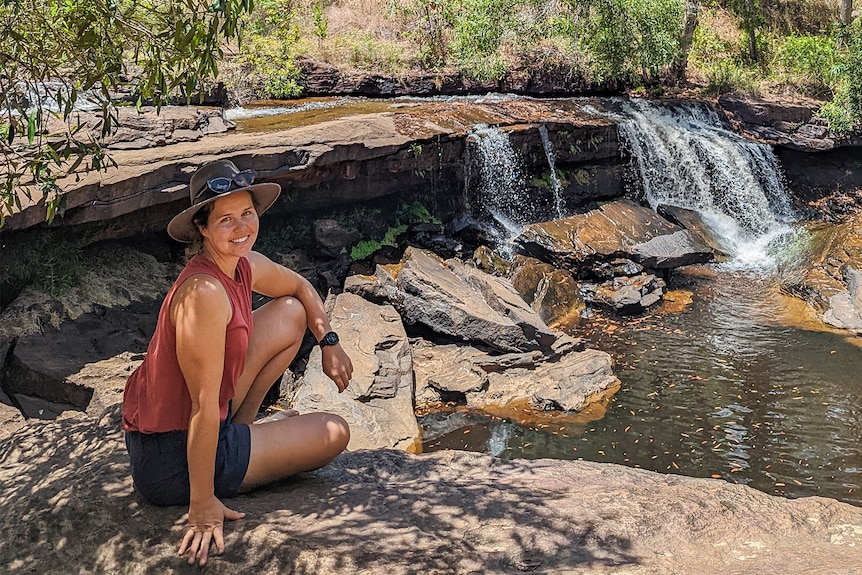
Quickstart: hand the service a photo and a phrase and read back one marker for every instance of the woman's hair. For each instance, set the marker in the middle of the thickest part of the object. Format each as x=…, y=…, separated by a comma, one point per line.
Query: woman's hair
x=199, y=220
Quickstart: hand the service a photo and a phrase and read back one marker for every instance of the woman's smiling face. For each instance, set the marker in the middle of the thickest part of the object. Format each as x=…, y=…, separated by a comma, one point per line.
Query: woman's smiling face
x=232, y=226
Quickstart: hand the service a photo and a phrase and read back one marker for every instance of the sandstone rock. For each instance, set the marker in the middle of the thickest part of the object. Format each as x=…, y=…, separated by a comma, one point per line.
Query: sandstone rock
x=453, y=299
x=693, y=222
x=568, y=384
x=614, y=230
x=680, y=248
x=77, y=350
x=378, y=403
x=465, y=374
x=788, y=122
x=68, y=507
x=627, y=295
x=445, y=372
x=845, y=308
x=823, y=280
x=146, y=128
x=553, y=293
x=11, y=418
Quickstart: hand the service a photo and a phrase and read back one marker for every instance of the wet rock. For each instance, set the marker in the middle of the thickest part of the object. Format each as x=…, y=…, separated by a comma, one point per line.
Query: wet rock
x=824, y=280
x=553, y=293
x=378, y=403
x=332, y=239
x=491, y=261
x=680, y=248
x=845, y=308
x=453, y=299
x=627, y=295
x=614, y=230
x=693, y=222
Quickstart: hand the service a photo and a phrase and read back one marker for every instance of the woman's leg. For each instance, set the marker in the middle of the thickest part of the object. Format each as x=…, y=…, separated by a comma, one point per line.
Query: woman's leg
x=288, y=446
x=279, y=327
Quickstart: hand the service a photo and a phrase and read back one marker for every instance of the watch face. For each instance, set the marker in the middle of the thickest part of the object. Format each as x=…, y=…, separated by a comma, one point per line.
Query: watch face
x=330, y=338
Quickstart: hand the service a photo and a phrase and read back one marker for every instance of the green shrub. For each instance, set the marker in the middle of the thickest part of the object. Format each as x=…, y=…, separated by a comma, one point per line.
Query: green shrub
x=633, y=40
x=809, y=58
x=726, y=76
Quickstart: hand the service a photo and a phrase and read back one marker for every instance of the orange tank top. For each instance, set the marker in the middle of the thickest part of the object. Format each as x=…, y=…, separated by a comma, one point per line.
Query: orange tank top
x=156, y=398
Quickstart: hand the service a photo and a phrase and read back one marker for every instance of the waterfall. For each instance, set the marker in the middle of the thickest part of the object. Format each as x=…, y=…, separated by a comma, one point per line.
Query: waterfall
x=500, y=187
x=556, y=185
x=683, y=157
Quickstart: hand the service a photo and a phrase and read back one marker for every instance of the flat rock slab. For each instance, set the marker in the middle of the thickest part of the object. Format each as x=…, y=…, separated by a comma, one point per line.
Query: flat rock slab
x=68, y=507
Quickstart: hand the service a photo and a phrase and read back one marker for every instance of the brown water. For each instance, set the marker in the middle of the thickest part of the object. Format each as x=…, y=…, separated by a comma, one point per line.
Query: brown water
x=724, y=387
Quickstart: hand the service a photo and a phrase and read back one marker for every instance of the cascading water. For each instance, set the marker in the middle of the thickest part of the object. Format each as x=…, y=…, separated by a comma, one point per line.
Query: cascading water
x=500, y=185
x=556, y=185
x=683, y=157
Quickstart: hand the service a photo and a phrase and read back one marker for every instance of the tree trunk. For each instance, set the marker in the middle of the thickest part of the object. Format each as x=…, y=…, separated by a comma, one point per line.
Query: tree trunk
x=845, y=13
x=692, y=8
x=752, y=44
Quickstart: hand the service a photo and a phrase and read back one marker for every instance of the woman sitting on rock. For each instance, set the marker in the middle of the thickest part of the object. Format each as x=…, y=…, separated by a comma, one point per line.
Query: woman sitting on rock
x=188, y=408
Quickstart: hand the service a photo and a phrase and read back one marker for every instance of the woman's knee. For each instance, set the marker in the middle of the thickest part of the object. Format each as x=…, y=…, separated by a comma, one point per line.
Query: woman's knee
x=291, y=311
x=337, y=431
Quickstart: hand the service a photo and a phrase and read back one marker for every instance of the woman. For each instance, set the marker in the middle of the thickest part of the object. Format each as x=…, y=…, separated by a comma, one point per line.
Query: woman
x=188, y=408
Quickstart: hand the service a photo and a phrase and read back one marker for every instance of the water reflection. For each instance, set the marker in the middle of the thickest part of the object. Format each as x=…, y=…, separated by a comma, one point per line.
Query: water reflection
x=725, y=388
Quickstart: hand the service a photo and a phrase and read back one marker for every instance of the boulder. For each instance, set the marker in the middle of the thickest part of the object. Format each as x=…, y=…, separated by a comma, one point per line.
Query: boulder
x=69, y=507
x=378, y=403
x=626, y=295
x=694, y=223
x=453, y=299
x=445, y=372
x=829, y=279
x=680, y=248
x=552, y=293
x=465, y=374
x=845, y=308
x=332, y=239
x=621, y=229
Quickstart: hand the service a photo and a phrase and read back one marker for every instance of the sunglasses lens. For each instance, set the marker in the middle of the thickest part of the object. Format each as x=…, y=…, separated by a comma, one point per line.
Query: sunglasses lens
x=219, y=185
x=244, y=178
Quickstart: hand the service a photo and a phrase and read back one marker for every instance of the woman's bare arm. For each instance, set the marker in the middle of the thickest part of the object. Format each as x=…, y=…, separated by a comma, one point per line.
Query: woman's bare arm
x=200, y=312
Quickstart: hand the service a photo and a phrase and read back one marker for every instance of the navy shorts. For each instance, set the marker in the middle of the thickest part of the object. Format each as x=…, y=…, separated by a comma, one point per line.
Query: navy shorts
x=160, y=467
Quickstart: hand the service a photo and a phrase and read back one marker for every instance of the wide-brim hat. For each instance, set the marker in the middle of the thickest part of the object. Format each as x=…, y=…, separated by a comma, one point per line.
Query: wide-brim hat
x=181, y=227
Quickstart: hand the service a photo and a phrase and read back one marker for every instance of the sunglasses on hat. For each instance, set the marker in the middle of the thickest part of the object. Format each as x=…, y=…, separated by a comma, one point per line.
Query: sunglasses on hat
x=223, y=185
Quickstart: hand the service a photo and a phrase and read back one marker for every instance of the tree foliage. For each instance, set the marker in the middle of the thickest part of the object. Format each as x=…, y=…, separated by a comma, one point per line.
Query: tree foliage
x=57, y=56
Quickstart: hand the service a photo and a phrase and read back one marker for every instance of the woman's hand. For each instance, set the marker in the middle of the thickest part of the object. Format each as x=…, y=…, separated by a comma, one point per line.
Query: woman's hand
x=337, y=365
x=205, y=525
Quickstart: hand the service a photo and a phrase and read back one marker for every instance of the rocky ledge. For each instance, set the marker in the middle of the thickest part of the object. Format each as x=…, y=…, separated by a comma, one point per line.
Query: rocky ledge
x=68, y=507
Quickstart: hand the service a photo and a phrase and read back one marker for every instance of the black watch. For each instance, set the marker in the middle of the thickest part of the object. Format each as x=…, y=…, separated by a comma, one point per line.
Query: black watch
x=331, y=338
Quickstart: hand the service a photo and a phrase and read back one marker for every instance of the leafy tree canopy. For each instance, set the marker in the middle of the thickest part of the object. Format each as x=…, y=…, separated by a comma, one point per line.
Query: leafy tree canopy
x=56, y=55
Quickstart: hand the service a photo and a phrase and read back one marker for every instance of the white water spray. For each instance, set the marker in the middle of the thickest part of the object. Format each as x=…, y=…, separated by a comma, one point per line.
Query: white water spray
x=500, y=183
x=685, y=158
x=556, y=185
